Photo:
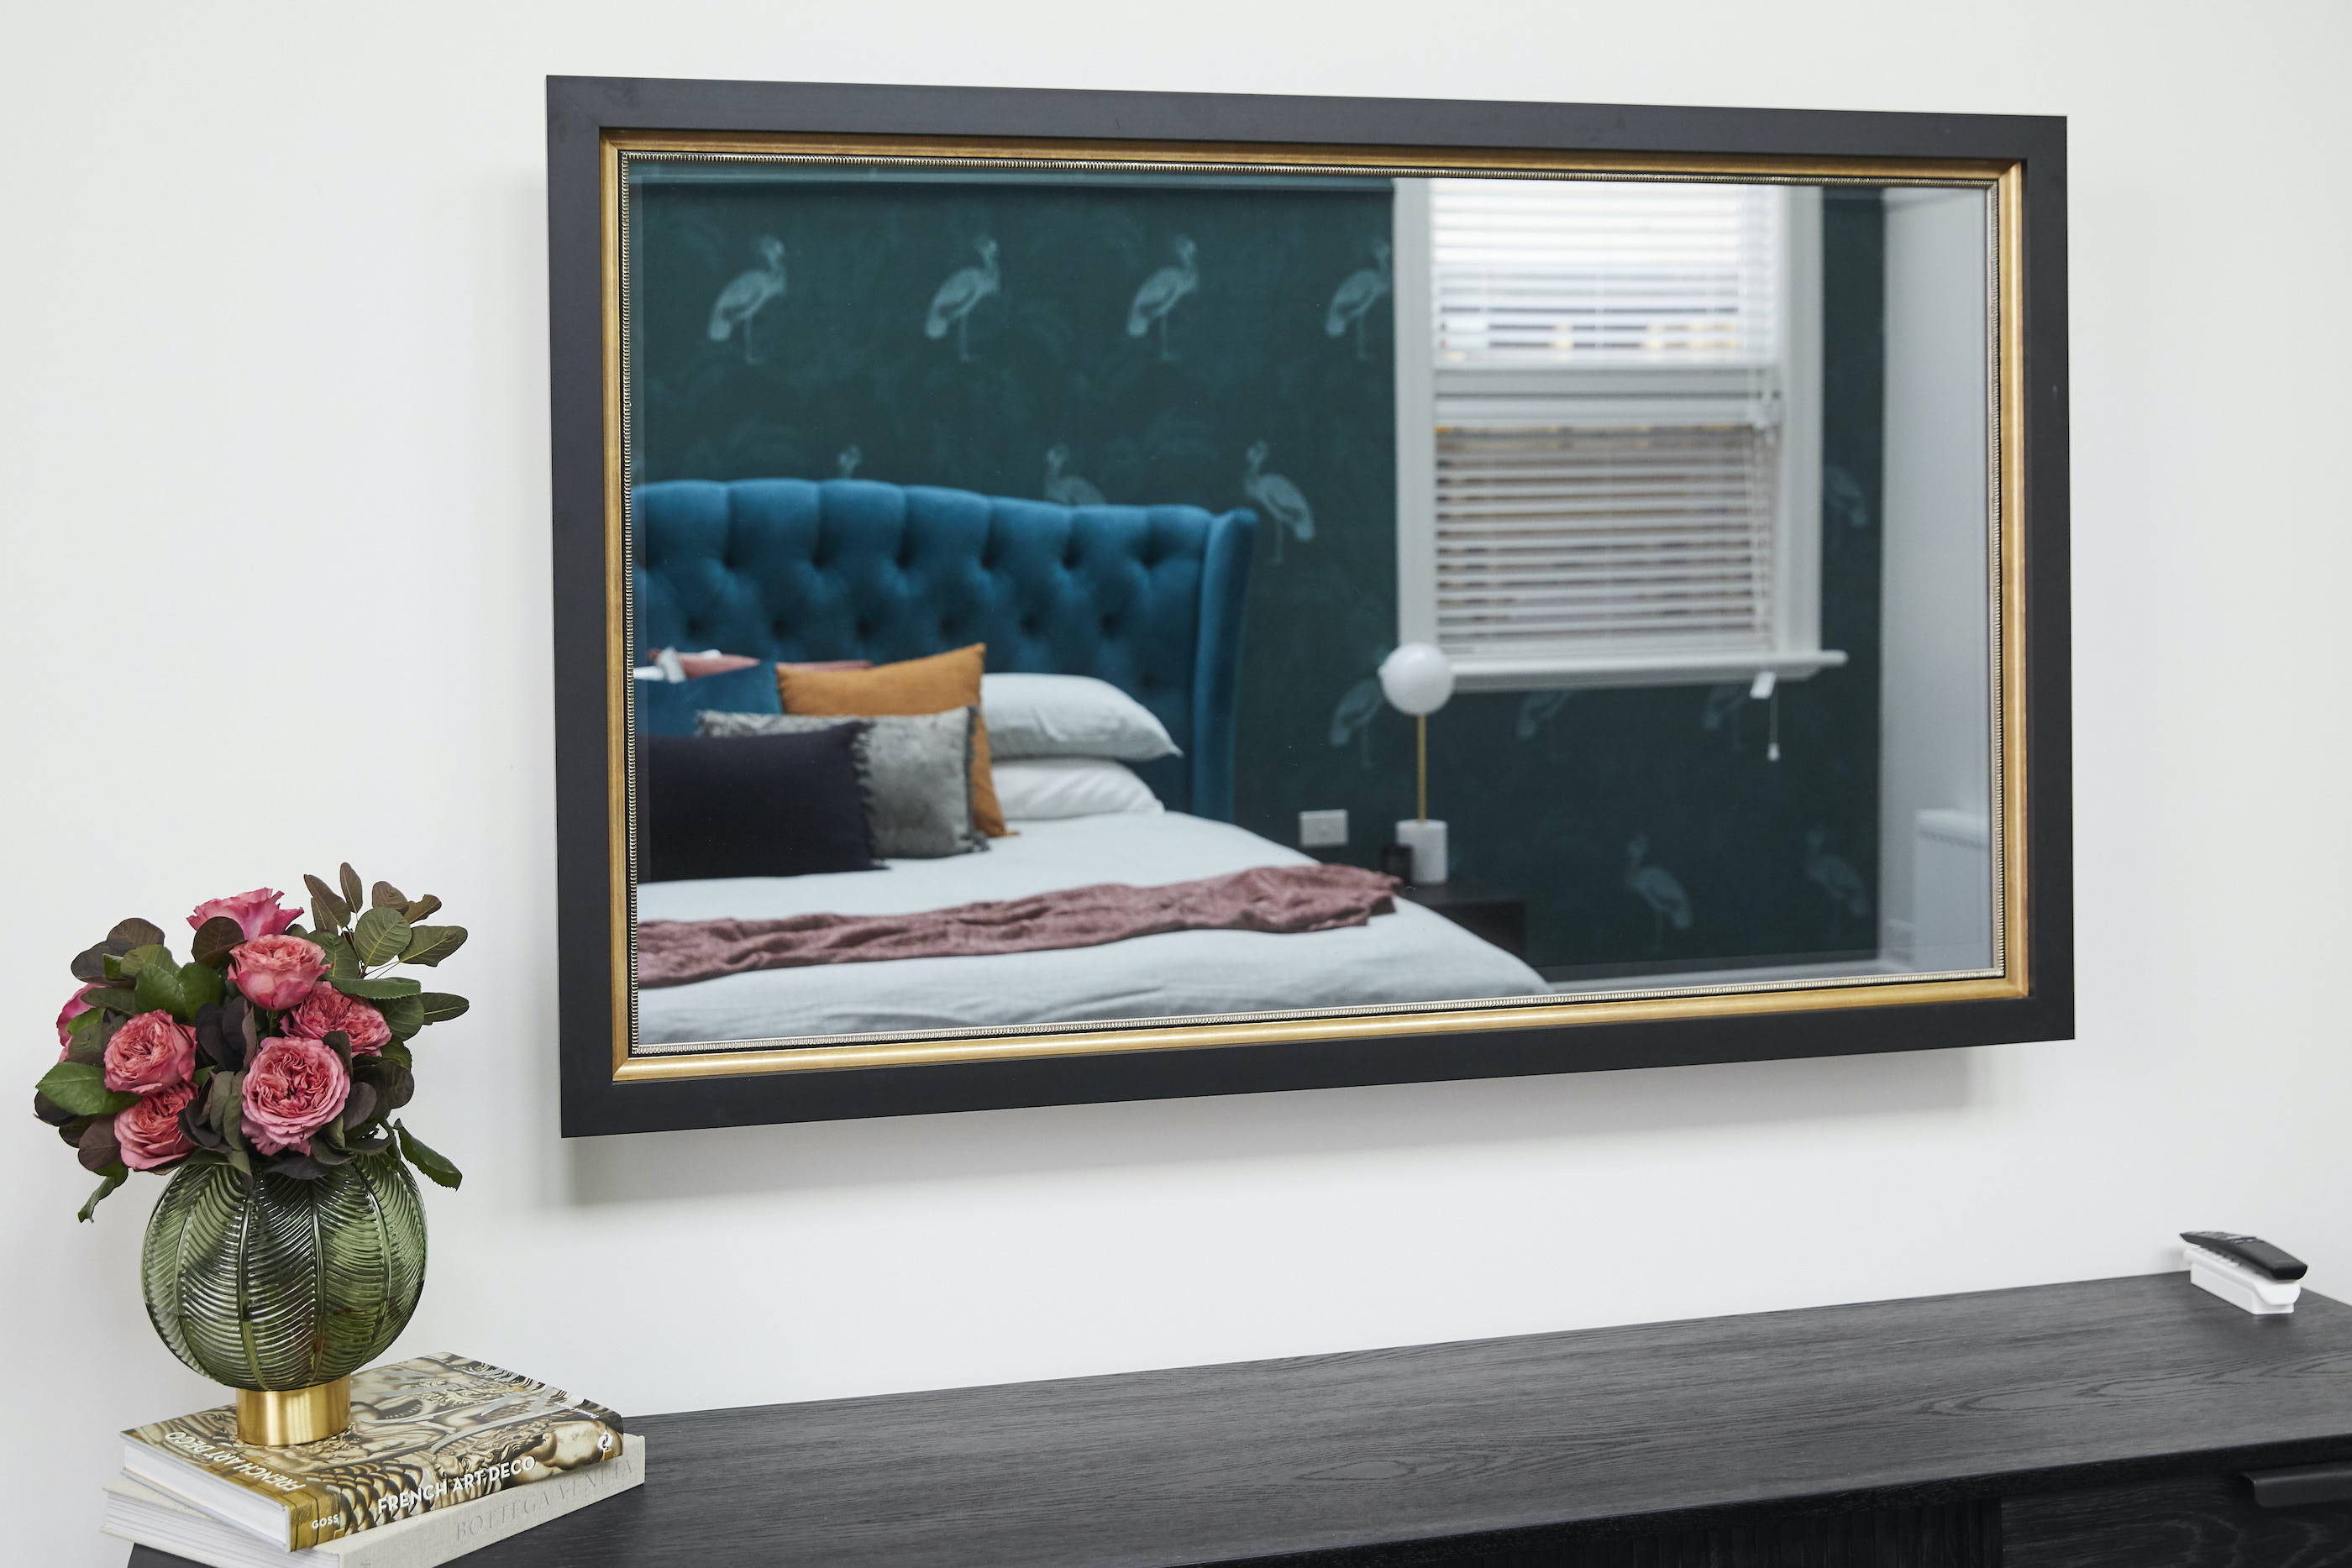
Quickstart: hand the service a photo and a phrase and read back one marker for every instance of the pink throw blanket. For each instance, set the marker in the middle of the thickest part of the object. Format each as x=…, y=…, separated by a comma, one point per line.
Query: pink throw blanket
x=1285, y=898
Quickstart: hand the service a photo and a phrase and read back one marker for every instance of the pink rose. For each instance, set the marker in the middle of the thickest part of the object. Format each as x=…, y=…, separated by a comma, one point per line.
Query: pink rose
x=152, y=1052
x=75, y=1007
x=292, y=1088
x=327, y=1010
x=149, y=1132
x=277, y=972
x=256, y=914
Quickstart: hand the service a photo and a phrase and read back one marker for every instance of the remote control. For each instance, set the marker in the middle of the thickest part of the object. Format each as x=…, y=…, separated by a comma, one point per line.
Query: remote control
x=2252, y=1252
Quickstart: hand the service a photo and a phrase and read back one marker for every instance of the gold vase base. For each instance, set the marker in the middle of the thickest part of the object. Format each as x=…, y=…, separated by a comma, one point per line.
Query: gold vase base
x=279, y=1418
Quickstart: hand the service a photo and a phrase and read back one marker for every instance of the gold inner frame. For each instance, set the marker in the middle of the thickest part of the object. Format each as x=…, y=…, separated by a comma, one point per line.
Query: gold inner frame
x=2004, y=181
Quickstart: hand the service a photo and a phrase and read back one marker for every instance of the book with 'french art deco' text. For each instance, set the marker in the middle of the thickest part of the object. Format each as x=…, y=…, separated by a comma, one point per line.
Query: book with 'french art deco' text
x=430, y=1432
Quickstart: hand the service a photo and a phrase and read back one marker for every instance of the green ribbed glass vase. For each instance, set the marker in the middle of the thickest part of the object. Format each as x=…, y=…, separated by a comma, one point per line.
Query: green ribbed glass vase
x=273, y=1283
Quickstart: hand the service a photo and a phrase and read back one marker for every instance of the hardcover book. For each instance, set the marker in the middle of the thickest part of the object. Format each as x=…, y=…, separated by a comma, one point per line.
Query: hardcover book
x=428, y=1433
x=146, y=1517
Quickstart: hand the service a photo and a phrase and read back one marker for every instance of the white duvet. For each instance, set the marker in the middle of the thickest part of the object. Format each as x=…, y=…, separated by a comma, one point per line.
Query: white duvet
x=1412, y=955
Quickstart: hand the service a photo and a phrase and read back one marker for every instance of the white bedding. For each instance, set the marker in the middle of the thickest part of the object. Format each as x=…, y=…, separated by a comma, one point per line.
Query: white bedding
x=1412, y=955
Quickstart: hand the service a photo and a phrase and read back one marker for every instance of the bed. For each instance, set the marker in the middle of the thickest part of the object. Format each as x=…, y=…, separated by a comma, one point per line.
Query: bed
x=1412, y=955
x=1147, y=598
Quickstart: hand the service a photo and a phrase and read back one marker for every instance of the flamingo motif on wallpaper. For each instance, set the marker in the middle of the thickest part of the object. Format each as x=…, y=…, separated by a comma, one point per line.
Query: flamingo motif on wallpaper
x=848, y=460
x=1353, y=716
x=1842, y=497
x=1356, y=293
x=960, y=295
x=747, y=294
x=1068, y=489
x=1162, y=291
x=1538, y=709
x=1660, y=889
x=1279, y=498
x=1835, y=874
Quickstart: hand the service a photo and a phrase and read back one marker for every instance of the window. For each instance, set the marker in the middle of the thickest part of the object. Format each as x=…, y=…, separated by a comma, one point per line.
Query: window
x=1609, y=443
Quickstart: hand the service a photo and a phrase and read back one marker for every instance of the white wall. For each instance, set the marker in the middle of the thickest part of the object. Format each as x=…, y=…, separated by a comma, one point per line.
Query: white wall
x=273, y=468
x=1935, y=734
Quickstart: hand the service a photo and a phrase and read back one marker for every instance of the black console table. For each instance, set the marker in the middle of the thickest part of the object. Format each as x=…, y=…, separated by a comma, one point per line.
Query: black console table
x=2112, y=1422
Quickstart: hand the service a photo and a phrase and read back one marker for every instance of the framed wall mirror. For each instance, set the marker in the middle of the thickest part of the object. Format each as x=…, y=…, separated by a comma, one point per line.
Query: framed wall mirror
x=1068, y=596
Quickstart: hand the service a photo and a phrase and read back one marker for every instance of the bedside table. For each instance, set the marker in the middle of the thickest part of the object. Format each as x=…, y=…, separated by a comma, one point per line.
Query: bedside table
x=1500, y=918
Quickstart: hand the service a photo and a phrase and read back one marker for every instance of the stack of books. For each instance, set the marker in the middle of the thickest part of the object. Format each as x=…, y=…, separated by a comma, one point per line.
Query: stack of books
x=445, y=1456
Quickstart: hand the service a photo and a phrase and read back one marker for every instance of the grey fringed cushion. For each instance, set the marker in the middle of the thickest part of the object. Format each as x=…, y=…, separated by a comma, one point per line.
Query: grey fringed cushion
x=915, y=770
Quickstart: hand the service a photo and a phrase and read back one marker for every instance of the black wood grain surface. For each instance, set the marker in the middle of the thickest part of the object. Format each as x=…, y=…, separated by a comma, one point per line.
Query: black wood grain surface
x=1509, y=1448
x=2191, y=1521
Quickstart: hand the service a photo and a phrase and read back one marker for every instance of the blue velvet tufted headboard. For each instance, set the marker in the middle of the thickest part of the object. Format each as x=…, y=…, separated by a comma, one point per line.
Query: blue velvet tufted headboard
x=1147, y=598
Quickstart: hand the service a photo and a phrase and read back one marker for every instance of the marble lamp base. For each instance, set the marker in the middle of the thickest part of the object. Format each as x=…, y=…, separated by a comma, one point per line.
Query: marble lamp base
x=1426, y=839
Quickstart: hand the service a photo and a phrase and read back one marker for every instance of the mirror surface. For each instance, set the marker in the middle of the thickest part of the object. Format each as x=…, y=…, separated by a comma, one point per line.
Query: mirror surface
x=1609, y=563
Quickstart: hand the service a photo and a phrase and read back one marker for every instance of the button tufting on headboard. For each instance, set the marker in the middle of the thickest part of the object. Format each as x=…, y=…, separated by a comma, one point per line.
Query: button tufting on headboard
x=1149, y=599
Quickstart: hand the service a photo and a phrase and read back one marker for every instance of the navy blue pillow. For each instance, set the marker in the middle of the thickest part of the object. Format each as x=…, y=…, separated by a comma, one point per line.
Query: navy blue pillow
x=667, y=707
x=752, y=805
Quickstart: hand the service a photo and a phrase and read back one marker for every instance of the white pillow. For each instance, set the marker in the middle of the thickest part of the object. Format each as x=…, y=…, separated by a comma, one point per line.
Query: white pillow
x=1049, y=787
x=1069, y=716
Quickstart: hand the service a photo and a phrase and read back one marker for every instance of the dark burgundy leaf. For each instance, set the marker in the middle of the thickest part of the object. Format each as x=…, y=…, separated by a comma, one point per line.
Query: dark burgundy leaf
x=98, y=1149
x=215, y=940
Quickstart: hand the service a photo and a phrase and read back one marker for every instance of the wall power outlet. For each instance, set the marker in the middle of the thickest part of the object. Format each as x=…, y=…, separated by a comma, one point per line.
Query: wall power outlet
x=1322, y=830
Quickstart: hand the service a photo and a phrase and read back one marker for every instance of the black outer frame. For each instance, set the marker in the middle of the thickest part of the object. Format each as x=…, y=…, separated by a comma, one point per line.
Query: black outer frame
x=579, y=108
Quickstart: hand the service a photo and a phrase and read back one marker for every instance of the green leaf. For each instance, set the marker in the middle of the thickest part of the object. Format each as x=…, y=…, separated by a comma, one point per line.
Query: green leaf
x=384, y=895
x=139, y=958
x=345, y=963
x=180, y=992
x=384, y=987
x=440, y=1007
x=201, y=984
x=86, y=1038
x=422, y=909
x=351, y=881
x=80, y=1088
x=137, y=933
x=88, y=1047
x=429, y=945
x=225, y=1104
x=113, y=1179
x=89, y=963
x=118, y=999
x=215, y=940
x=328, y=912
x=402, y=1015
x=416, y=1152
x=380, y=935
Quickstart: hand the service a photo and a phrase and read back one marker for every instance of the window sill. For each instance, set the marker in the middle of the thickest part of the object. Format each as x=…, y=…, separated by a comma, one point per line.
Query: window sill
x=1473, y=673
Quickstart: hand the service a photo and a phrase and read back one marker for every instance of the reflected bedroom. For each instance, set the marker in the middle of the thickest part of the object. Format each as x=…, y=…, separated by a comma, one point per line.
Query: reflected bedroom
x=1073, y=596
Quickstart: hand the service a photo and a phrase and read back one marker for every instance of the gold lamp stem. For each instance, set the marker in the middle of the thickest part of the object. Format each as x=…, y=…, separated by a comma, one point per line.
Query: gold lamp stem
x=1421, y=767
x=278, y=1418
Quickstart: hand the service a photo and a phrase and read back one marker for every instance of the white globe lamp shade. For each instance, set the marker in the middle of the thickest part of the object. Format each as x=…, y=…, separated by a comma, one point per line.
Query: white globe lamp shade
x=1417, y=678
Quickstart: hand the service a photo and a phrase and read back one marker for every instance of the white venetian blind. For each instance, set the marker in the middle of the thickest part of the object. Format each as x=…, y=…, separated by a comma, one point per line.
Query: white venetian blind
x=1535, y=272
x=1556, y=539
x=1607, y=388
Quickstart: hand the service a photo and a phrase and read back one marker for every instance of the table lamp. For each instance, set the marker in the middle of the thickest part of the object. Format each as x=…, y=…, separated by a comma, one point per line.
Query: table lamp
x=1417, y=679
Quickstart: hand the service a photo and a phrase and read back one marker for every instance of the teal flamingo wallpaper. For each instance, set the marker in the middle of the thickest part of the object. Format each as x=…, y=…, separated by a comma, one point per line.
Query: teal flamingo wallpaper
x=1229, y=343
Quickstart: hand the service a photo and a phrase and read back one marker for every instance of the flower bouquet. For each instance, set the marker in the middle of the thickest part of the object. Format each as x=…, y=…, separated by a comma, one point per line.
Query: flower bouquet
x=262, y=1075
